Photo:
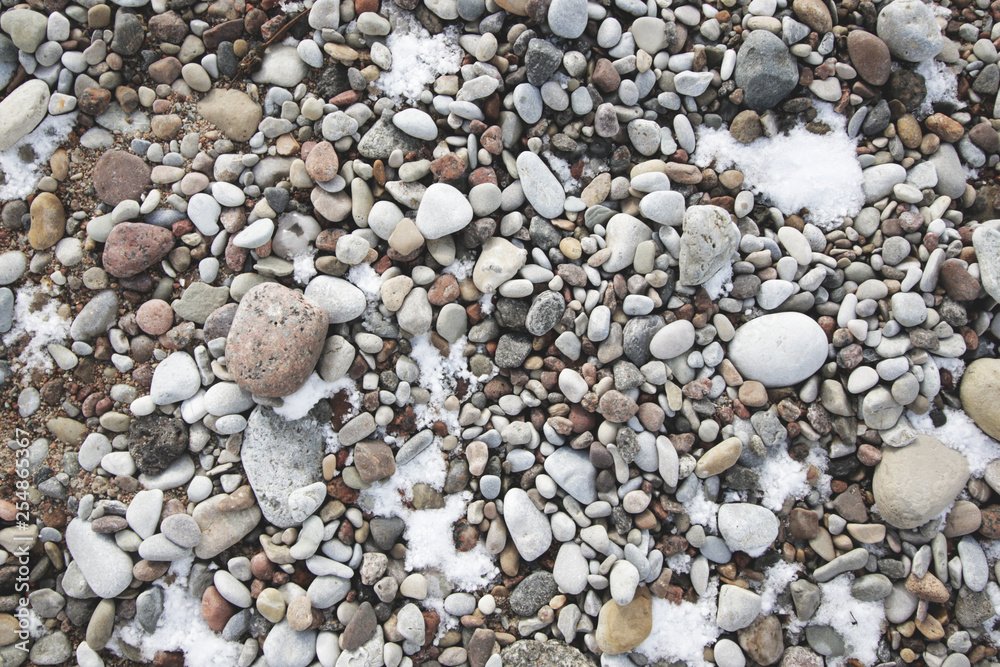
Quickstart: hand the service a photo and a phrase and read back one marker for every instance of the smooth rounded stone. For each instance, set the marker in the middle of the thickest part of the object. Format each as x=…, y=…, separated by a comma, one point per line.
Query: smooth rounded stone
x=540, y=186
x=275, y=340
x=23, y=109
x=950, y=172
x=499, y=260
x=158, y=548
x=908, y=308
x=880, y=409
x=665, y=207
x=738, y=608
x=281, y=66
x=708, y=243
x=568, y=18
x=645, y=136
x=572, y=471
x=227, y=194
x=719, y=458
x=13, y=264
x=870, y=57
x=285, y=647
x=975, y=568
x=443, y=210
x=914, y=484
x=416, y=123
x=692, y=83
x=728, y=654
x=255, y=235
x=106, y=568
x=570, y=569
x=779, y=349
x=765, y=70
x=909, y=29
x=339, y=299
x=978, y=391
x=527, y=526
x=862, y=379
x=280, y=457
x=120, y=176
x=528, y=102
x=622, y=628
x=986, y=242
x=175, y=379
x=234, y=112
x=623, y=580
x=871, y=587
x=383, y=218
x=673, y=340
x=747, y=528
x=624, y=234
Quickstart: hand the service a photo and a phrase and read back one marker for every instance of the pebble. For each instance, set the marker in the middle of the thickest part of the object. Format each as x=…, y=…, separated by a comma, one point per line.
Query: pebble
x=779, y=350
x=914, y=484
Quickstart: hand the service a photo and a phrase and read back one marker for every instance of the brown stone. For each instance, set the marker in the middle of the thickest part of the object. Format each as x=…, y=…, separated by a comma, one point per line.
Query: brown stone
x=814, y=14
x=948, y=129
x=870, y=57
x=215, y=609
x=374, y=460
x=957, y=281
x=48, y=221
x=621, y=629
x=927, y=588
x=762, y=640
x=119, y=176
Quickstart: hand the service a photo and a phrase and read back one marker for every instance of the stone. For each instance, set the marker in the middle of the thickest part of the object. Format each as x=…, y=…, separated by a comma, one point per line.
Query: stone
x=568, y=18
x=765, y=70
x=534, y=591
x=532, y=653
x=986, y=242
x=133, y=247
x=541, y=188
x=747, y=528
x=22, y=110
x=155, y=441
x=48, y=221
x=223, y=524
x=281, y=456
x=779, y=349
x=978, y=391
x=119, y=176
x=232, y=111
x=914, y=484
x=443, y=210
x=622, y=628
x=175, y=379
x=526, y=525
x=708, y=243
x=275, y=340
x=106, y=568
x=374, y=461
x=499, y=260
x=96, y=317
x=572, y=471
x=624, y=234
x=909, y=29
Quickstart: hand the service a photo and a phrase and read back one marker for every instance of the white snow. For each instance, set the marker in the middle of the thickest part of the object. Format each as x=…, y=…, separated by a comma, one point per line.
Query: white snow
x=304, y=267
x=942, y=86
x=181, y=626
x=364, y=277
x=37, y=317
x=417, y=58
x=858, y=623
x=460, y=268
x=776, y=580
x=781, y=476
x=439, y=375
x=428, y=533
x=298, y=405
x=961, y=434
x=720, y=284
x=682, y=631
x=701, y=510
x=818, y=172
x=22, y=176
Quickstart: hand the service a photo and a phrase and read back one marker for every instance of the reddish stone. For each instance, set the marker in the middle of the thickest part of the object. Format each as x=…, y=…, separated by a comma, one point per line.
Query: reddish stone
x=492, y=140
x=215, y=609
x=448, y=167
x=322, y=163
x=166, y=70
x=444, y=290
x=155, y=317
x=606, y=78
x=483, y=175
x=95, y=101
x=275, y=340
x=346, y=98
x=134, y=246
x=957, y=281
x=228, y=31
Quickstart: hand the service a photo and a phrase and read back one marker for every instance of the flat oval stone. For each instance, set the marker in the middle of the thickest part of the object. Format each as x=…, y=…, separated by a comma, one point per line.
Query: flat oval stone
x=779, y=350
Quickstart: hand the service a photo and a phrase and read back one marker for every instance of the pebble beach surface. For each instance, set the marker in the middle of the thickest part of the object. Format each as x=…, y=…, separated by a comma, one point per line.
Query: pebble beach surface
x=521, y=333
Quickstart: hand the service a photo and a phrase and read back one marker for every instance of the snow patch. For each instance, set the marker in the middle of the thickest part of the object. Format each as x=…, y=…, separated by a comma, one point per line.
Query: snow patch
x=858, y=623
x=417, y=57
x=181, y=626
x=682, y=631
x=21, y=173
x=781, y=476
x=961, y=434
x=303, y=266
x=942, y=86
x=439, y=375
x=297, y=405
x=36, y=316
x=776, y=580
x=794, y=171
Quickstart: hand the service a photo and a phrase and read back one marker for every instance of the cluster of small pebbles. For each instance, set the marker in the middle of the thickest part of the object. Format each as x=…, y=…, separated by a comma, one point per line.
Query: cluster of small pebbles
x=353, y=335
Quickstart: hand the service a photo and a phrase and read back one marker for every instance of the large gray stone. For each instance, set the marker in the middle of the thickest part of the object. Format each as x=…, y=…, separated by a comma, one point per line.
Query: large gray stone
x=909, y=29
x=765, y=70
x=107, y=569
x=281, y=456
x=779, y=349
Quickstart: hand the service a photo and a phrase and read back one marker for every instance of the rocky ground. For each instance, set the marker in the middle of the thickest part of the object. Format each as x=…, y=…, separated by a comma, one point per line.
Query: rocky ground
x=499, y=332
